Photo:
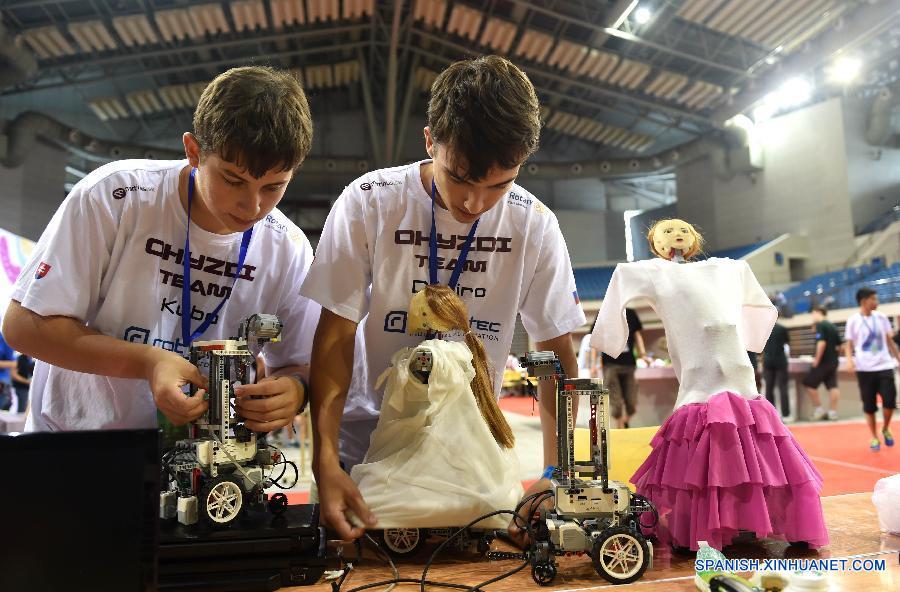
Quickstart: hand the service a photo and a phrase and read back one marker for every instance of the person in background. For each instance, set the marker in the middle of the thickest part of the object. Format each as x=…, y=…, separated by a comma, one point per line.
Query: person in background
x=618, y=373
x=7, y=363
x=871, y=351
x=757, y=375
x=588, y=360
x=824, y=366
x=775, y=366
x=21, y=380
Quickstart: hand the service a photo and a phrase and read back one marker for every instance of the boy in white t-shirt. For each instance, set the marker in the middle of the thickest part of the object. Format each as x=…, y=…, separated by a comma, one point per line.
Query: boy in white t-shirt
x=394, y=231
x=109, y=302
x=871, y=351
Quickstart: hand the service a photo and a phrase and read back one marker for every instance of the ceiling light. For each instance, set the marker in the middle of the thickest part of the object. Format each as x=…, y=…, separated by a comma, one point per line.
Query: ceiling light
x=642, y=15
x=765, y=111
x=793, y=92
x=845, y=70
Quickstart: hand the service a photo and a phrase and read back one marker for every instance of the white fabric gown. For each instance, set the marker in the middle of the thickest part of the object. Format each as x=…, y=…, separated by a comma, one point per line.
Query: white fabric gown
x=433, y=461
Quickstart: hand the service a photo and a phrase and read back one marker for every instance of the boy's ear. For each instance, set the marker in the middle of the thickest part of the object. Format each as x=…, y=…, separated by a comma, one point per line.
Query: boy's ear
x=191, y=149
x=429, y=142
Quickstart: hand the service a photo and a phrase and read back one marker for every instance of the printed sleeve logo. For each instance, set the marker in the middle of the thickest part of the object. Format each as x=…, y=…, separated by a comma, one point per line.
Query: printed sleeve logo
x=395, y=321
x=42, y=270
x=369, y=186
x=515, y=199
x=121, y=192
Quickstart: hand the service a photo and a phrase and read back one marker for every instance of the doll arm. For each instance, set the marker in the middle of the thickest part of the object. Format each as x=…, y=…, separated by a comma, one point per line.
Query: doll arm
x=758, y=314
x=629, y=281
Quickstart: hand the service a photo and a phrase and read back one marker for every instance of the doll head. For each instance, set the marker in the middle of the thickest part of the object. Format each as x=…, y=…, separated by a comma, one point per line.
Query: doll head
x=665, y=236
x=438, y=308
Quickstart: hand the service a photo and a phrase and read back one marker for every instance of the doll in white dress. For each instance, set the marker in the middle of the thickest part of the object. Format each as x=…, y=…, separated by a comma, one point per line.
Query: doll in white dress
x=723, y=462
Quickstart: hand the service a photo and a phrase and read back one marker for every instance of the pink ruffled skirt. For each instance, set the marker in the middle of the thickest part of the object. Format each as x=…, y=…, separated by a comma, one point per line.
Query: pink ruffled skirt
x=730, y=465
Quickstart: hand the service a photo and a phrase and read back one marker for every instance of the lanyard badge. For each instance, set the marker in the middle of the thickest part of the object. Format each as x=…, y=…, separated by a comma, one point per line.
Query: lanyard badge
x=186, y=335
x=432, y=250
x=417, y=302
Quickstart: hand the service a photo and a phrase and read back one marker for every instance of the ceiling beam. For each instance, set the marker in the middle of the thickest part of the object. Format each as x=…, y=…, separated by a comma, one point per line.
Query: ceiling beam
x=628, y=37
x=593, y=88
x=132, y=73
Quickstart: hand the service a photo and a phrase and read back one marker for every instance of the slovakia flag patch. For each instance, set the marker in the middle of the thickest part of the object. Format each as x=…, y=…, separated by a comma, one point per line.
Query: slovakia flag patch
x=42, y=270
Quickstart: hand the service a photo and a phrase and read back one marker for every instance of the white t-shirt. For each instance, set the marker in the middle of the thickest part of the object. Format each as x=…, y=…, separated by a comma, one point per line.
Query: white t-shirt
x=714, y=312
x=373, y=256
x=870, y=341
x=112, y=257
x=584, y=357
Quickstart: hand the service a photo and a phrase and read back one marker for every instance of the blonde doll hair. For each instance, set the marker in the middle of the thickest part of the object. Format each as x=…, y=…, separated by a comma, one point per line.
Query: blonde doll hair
x=695, y=249
x=448, y=308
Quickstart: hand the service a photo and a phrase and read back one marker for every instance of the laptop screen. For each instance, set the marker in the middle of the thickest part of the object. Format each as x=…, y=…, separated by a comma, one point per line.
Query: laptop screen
x=78, y=510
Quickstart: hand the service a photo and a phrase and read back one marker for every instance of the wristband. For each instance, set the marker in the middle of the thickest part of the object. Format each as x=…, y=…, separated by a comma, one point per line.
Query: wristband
x=548, y=472
x=305, y=386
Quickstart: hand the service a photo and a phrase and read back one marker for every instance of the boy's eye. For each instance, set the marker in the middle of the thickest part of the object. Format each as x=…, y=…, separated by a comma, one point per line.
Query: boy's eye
x=232, y=183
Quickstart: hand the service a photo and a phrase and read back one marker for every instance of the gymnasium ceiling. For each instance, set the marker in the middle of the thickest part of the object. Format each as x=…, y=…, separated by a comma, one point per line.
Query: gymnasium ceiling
x=617, y=79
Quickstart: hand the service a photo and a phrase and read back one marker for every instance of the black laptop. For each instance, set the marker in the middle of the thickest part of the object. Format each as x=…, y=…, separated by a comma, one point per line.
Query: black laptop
x=78, y=511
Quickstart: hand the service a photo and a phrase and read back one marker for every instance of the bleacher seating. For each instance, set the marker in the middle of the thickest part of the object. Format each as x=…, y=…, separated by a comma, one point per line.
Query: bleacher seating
x=885, y=282
x=832, y=287
x=592, y=281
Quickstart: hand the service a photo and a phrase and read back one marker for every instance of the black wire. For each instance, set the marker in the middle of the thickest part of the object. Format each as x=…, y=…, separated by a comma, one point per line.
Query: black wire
x=516, y=516
x=284, y=463
x=296, y=476
x=412, y=581
x=647, y=502
x=539, y=496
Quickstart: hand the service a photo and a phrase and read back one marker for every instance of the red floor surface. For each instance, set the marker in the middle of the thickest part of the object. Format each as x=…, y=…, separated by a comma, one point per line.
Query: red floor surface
x=841, y=453
x=520, y=405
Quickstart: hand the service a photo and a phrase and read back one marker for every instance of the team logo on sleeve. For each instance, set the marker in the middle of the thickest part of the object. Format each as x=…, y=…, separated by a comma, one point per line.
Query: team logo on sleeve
x=42, y=270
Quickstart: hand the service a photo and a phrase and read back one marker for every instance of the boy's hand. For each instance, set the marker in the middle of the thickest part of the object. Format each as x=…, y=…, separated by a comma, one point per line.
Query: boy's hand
x=271, y=403
x=516, y=529
x=167, y=374
x=339, y=495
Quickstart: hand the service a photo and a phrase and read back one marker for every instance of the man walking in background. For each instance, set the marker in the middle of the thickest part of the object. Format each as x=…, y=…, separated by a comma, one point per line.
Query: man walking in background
x=825, y=365
x=872, y=353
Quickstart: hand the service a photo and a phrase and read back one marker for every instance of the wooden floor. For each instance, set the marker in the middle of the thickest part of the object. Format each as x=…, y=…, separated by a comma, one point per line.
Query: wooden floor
x=852, y=525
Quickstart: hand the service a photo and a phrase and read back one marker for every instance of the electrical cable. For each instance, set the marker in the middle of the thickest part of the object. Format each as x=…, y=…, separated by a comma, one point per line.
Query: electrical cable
x=422, y=581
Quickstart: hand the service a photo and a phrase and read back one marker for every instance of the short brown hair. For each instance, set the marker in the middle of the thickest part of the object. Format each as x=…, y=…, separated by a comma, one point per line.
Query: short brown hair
x=487, y=112
x=256, y=117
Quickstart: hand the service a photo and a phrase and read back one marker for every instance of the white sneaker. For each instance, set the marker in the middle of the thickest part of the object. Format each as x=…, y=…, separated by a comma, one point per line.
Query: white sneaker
x=832, y=414
x=819, y=414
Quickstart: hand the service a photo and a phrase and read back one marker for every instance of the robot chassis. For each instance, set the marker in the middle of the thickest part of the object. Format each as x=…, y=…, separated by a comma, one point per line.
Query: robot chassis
x=223, y=466
x=596, y=516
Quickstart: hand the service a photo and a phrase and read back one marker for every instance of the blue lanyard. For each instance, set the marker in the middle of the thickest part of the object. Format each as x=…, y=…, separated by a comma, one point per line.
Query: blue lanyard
x=186, y=336
x=432, y=250
x=871, y=341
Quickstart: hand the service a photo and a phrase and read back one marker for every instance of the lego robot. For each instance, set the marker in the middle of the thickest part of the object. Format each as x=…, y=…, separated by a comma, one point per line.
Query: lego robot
x=595, y=516
x=223, y=466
